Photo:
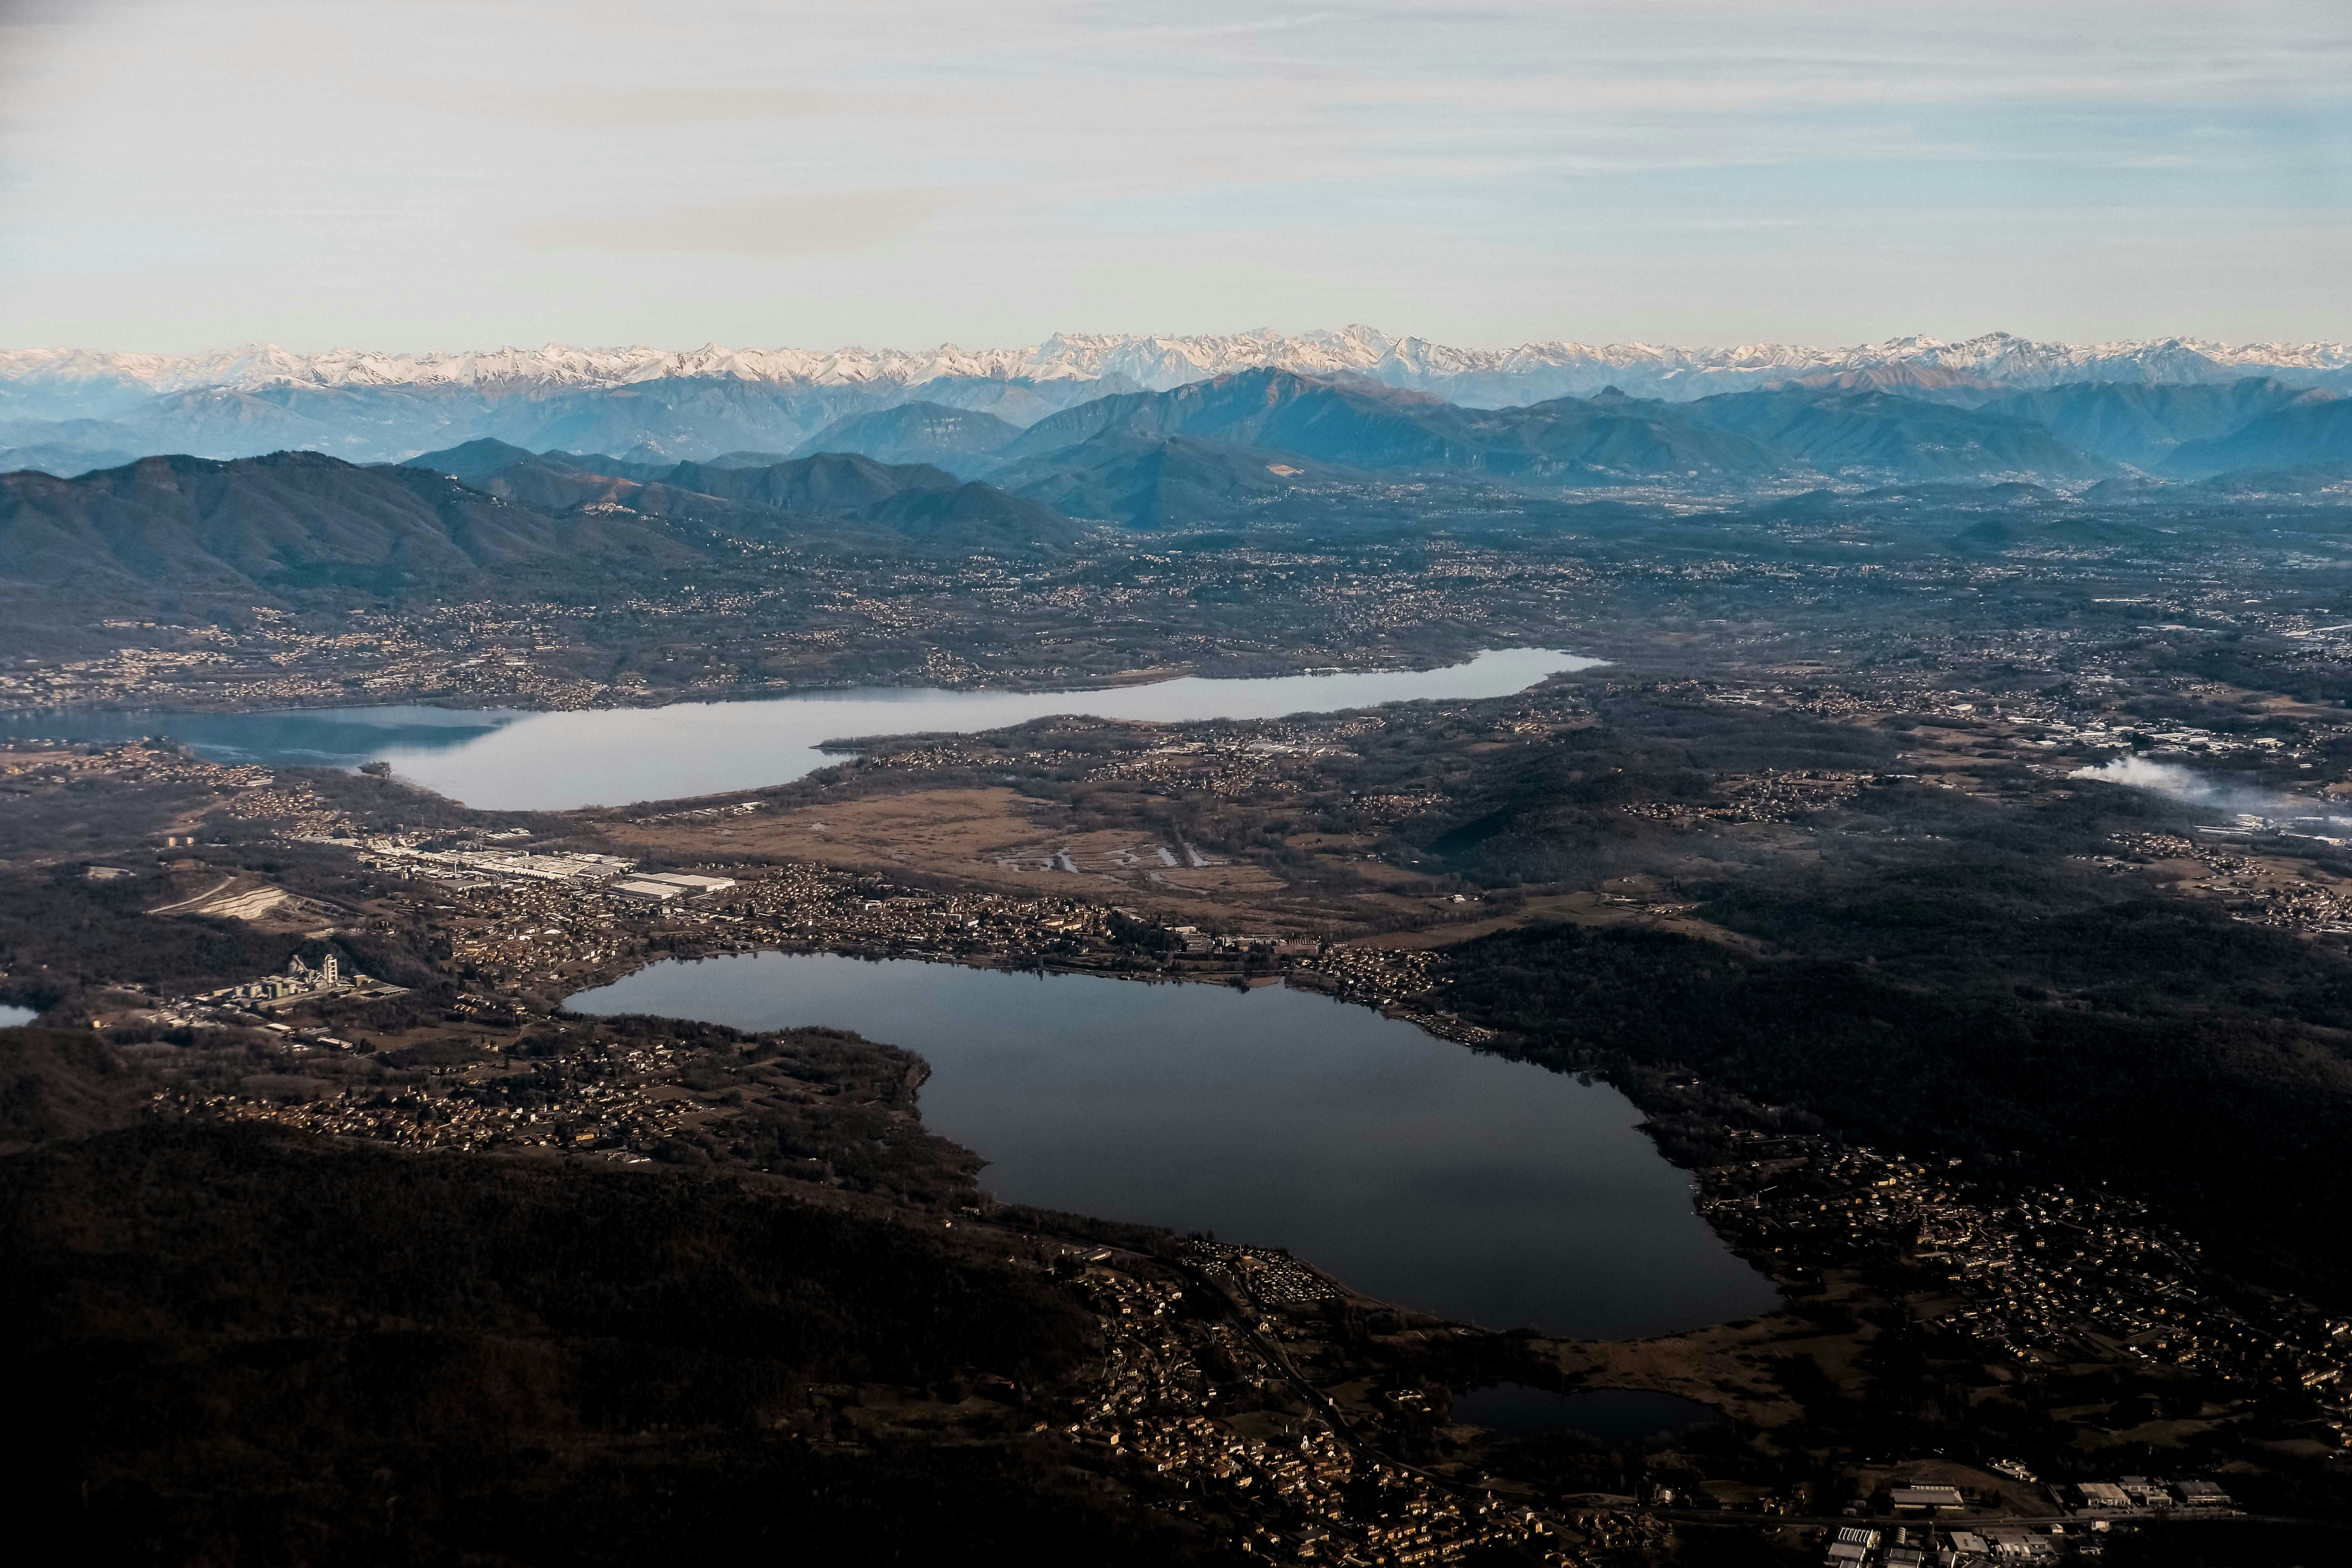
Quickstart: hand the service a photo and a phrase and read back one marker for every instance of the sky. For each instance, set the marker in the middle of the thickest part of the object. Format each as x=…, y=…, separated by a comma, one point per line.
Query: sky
x=410, y=175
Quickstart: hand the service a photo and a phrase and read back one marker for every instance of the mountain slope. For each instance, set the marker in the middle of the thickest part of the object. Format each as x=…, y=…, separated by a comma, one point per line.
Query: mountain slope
x=1367, y=427
x=290, y=520
x=770, y=501
x=62, y=459
x=1529, y=416
x=1878, y=433
x=964, y=441
x=66, y=447
x=293, y=520
x=2305, y=434
x=1610, y=439
x=559, y=482
x=1615, y=440
x=1356, y=426
x=2142, y=425
x=1147, y=481
x=698, y=403
x=839, y=484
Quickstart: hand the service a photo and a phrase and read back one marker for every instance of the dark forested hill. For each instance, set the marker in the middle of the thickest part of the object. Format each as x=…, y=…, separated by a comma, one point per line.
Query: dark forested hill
x=843, y=484
x=241, y=1347
x=2185, y=1057
x=750, y=499
x=289, y=519
x=456, y=520
x=1148, y=481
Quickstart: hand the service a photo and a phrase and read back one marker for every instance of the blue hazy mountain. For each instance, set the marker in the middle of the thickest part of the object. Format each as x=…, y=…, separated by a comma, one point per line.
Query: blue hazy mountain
x=2141, y=424
x=1852, y=433
x=761, y=500
x=2309, y=432
x=964, y=441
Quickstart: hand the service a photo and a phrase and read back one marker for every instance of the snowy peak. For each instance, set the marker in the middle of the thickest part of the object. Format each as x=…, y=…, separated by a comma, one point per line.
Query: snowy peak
x=1529, y=372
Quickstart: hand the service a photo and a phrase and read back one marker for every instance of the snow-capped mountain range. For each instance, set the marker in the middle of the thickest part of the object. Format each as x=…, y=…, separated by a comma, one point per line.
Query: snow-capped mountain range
x=71, y=410
x=1488, y=376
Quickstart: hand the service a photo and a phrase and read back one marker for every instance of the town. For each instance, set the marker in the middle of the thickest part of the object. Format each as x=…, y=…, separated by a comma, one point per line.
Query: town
x=1348, y=854
x=2040, y=1277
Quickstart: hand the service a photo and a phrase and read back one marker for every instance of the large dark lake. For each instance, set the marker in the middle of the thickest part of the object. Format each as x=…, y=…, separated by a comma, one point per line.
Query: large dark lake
x=503, y=760
x=1413, y=1168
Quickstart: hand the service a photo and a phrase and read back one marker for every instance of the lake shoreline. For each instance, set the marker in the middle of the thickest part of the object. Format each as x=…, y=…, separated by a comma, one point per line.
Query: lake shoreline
x=515, y=760
x=651, y=701
x=1471, y=1184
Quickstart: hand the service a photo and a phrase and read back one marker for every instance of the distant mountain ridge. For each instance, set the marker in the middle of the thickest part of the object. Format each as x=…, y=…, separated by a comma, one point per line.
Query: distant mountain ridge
x=694, y=448
x=67, y=410
x=1528, y=373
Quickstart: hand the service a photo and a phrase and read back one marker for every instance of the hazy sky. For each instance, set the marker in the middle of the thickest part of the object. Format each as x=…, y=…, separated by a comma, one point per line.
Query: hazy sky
x=412, y=175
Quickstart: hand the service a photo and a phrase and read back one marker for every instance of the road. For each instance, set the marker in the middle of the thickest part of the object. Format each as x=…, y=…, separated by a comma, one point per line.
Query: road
x=200, y=897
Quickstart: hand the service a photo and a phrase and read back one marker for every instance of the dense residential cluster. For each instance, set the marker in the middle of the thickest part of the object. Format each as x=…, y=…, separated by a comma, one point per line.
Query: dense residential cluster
x=1765, y=797
x=1269, y=1274
x=512, y=917
x=33, y=761
x=625, y=1104
x=278, y=658
x=1225, y=768
x=1396, y=981
x=1308, y=1490
x=976, y=621
x=2038, y=1276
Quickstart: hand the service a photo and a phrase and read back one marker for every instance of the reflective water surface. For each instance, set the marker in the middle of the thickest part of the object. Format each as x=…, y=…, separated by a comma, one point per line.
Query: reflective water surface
x=1413, y=1168
x=503, y=760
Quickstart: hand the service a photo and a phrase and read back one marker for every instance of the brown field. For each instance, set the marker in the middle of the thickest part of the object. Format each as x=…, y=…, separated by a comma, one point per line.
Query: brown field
x=958, y=831
x=1002, y=840
x=993, y=837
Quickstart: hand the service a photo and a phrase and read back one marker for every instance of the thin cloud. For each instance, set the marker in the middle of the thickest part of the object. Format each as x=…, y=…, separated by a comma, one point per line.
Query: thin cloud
x=764, y=225
x=655, y=108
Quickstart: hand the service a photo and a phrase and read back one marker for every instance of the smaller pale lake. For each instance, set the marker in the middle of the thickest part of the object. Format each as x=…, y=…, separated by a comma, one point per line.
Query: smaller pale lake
x=1414, y=1169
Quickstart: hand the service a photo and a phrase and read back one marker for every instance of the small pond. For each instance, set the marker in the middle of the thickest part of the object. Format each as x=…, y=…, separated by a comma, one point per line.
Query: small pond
x=1611, y=1414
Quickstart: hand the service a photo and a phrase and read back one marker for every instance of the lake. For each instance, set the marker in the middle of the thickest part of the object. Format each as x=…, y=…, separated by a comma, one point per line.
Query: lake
x=506, y=759
x=1413, y=1168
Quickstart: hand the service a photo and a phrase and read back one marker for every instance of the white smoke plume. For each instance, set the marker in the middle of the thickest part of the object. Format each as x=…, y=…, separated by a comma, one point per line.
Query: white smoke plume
x=2193, y=788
